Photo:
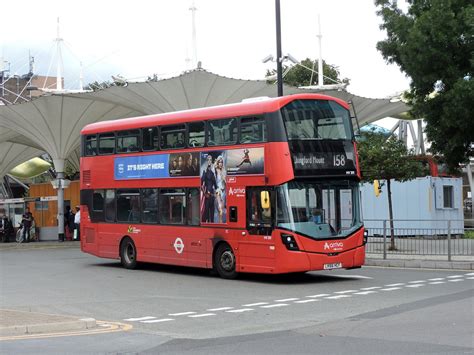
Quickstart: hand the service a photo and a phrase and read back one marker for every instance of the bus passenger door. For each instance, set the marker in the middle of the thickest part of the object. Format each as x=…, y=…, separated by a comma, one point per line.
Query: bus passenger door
x=257, y=249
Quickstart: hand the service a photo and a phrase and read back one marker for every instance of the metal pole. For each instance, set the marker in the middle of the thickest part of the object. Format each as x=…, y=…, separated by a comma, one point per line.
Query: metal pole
x=278, y=43
x=385, y=239
x=449, y=240
x=59, y=166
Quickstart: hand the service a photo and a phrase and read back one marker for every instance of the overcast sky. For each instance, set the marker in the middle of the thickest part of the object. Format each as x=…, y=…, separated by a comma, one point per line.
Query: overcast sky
x=139, y=38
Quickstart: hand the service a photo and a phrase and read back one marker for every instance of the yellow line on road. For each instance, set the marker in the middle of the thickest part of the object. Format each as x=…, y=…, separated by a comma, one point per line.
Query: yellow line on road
x=102, y=327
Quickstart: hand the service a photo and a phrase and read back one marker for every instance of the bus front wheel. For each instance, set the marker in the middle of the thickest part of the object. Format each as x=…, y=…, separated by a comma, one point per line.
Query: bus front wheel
x=224, y=262
x=128, y=254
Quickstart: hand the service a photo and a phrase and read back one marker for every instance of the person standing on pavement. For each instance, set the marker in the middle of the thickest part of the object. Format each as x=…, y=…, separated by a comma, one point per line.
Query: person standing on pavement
x=77, y=222
x=26, y=221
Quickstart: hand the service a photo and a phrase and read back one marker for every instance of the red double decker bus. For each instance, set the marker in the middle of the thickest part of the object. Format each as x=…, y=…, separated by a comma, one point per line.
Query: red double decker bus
x=267, y=186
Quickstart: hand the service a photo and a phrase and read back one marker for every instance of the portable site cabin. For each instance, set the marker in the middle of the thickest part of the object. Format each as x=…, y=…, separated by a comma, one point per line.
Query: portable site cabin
x=421, y=207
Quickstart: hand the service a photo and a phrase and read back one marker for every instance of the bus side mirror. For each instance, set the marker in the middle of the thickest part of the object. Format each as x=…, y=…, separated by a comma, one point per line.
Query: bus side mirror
x=265, y=199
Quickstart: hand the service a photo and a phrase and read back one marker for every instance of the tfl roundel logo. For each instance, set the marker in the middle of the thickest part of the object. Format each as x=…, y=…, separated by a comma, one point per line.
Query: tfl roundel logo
x=178, y=245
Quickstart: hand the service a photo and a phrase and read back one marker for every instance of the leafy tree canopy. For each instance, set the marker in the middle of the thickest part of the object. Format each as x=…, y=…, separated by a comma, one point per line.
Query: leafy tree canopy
x=386, y=159
x=433, y=44
x=298, y=75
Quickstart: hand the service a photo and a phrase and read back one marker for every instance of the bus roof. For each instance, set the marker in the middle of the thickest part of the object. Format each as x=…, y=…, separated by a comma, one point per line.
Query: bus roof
x=232, y=110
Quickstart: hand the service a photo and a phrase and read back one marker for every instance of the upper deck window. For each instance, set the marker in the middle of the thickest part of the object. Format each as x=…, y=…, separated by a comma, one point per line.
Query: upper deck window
x=128, y=141
x=196, y=134
x=222, y=132
x=316, y=119
x=91, y=145
x=172, y=137
x=106, y=143
x=150, y=138
x=252, y=130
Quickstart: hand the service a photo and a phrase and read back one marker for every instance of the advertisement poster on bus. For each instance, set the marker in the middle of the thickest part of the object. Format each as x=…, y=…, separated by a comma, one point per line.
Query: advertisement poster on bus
x=141, y=167
x=213, y=189
x=184, y=164
x=245, y=161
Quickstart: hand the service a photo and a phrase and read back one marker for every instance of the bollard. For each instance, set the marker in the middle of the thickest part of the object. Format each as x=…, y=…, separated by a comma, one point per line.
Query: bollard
x=449, y=240
x=384, y=239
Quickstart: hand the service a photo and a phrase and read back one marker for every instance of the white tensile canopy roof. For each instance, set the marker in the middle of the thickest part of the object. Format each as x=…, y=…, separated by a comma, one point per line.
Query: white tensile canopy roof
x=52, y=124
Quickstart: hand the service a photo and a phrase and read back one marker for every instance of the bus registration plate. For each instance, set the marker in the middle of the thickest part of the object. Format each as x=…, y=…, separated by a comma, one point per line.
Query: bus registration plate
x=332, y=266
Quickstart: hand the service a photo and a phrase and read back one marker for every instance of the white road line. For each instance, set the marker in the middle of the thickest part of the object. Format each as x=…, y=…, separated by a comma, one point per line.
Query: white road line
x=157, y=320
x=370, y=288
x=219, y=309
x=138, y=319
x=307, y=301
x=436, y=279
x=391, y=289
x=287, y=300
x=254, y=304
x=320, y=295
x=346, y=291
x=455, y=276
x=455, y=280
x=437, y=282
x=202, y=315
x=470, y=278
x=275, y=305
x=414, y=286
x=365, y=293
x=181, y=314
x=240, y=310
x=336, y=297
x=416, y=282
x=393, y=285
x=470, y=274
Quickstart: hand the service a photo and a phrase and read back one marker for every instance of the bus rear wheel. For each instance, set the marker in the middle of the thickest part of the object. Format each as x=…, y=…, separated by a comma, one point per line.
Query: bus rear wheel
x=128, y=254
x=224, y=262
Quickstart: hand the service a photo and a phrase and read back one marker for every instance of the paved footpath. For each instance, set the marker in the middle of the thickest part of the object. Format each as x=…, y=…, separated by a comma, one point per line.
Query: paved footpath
x=19, y=323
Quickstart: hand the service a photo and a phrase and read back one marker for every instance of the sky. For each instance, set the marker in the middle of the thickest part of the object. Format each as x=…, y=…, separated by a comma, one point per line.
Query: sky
x=137, y=39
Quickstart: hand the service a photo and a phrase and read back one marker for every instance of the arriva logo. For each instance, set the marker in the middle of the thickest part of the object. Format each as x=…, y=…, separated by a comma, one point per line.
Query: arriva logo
x=236, y=191
x=334, y=245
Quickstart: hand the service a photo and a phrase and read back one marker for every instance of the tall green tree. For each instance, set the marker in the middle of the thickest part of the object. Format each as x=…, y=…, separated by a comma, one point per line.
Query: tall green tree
x=301, y=75
x=387, y=159
x=433, y=44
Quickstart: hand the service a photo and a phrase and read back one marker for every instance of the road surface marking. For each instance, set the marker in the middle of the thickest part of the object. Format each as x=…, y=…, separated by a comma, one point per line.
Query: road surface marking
x=181, y=314
x=437, y=282
x=320, y=295
x=287, y=300
x=157, y=320
x=307, y=301
x=336, y=297
x=138, y=319
x=391, y=289
x=393, y=285
x=470, y=274
x=275, y=305
x=416, y=282
x=365, y=293
x=347, y=291
x=414, y=286
x=202, y=315
x=240, y=310
x=436, y=279
x=254, y=304
x=370, y=288
x=470, y=278
x=219, y=309
x=455, y=280
x=455, y=276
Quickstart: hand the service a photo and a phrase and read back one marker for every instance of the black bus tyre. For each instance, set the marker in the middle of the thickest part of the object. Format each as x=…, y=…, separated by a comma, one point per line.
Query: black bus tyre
x=225, y=262
x=128, y=254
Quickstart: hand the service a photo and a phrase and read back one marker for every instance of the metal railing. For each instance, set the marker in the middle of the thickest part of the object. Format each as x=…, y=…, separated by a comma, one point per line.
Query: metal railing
x=442, y=238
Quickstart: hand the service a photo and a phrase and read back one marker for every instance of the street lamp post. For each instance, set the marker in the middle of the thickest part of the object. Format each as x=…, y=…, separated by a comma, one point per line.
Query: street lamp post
x=278, y=43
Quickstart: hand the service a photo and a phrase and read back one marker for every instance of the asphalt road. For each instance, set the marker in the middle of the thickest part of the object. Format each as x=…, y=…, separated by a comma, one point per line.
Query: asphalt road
x=181, y=310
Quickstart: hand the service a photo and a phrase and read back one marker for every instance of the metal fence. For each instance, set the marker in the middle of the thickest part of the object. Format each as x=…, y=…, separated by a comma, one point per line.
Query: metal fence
x=446, y=239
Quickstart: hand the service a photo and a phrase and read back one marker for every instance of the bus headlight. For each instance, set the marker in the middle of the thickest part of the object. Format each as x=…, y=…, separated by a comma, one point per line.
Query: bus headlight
x=289, y=242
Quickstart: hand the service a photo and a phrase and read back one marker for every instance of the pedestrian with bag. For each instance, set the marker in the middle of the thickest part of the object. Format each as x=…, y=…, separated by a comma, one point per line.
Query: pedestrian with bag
x=77, y=224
